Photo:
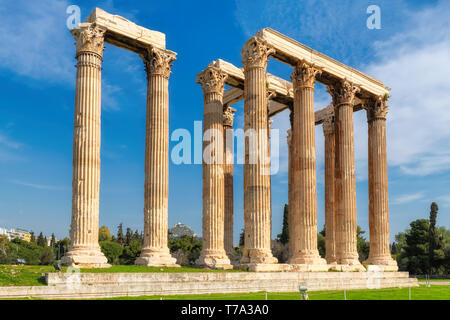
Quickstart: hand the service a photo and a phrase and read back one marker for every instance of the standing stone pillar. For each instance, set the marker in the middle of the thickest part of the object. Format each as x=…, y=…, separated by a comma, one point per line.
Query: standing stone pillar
x=330, y=223
x=304, y=235
x=290, y=190
x=155, y=251
x=380, y=253
x=257, y=213
x=228, y=117
x=213, y=253
x=343, y=94
x=84, y=250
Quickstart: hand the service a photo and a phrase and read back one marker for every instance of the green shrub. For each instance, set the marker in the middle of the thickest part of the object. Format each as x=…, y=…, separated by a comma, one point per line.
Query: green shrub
x=112, y=251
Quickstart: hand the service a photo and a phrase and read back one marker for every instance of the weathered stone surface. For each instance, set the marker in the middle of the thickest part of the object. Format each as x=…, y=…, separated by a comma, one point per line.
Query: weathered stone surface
x=304, y=218
x=213, y=252
x=343, y=94
x=380, y=253
x=102, y=285
x=84, y=250
x=257, y=210
x=126, y=34
x=290, y=51
x=156, y=196
x=330, y=203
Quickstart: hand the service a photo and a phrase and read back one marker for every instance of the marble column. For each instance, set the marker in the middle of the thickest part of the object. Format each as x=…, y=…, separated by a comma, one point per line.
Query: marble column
x=343, y=93
x=380, y=253
x=213, y=253
x=330, y=241
x=228, y=117
x=257, y=211
x=155, y=251
x=304, y=235
x=290, y=191
x=84, y=250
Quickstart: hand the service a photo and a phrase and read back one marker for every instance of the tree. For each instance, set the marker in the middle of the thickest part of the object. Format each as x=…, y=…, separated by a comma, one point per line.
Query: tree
x=33, y=237
x=362, y=244
x=53, y=241
x=436, y=254
x=283, y=237
x=128, y=236
x=120, y=237
x=321, y=242
x=61, y=247
x=47, y=256
x=131, y=252
x=242, y=238
x=41, y=240
x=415, y=256
x=112, y=251
x=190, y=245
x=104, y=234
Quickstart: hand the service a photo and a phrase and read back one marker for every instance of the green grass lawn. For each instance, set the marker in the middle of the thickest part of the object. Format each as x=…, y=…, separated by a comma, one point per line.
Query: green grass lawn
x=417, y=293
x=32, y=275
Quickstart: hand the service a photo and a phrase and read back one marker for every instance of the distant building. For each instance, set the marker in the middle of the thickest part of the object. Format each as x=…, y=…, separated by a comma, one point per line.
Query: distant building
x=16, y=233
x=179, y=230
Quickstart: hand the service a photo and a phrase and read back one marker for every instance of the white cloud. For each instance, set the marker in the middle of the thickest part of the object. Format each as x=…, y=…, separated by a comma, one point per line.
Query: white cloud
x=36, y=186
x=416, y=65
x=407, y=198
x=35, y=39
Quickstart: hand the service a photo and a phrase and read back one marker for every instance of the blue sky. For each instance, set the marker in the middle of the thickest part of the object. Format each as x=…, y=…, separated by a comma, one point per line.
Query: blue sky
x=410, y=54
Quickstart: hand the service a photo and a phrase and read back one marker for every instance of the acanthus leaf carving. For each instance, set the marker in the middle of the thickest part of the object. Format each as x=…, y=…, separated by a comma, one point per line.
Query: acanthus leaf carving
x=228, y=116
x=212, y=80
x=377, y=108
x=256, y=53
x=158, y=61
x=304, y=75
x=343, y=92
x=89, y=38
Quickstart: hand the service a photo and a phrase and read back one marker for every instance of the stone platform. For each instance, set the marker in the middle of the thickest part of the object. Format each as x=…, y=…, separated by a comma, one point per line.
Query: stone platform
x=105, y=285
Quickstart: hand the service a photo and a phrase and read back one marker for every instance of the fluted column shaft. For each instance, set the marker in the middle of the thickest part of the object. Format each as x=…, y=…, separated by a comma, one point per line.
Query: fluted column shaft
x=228, y=176
x=213, y=253
x=346, y=224
x=156, y=188
x=84, y=250
x=291, y=209
x=304, y=235
x=257, y=210
x=330, y=224
x=378, y=186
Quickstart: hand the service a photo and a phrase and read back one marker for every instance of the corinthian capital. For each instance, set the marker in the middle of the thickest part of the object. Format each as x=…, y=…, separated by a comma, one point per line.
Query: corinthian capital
x=377, y=108
x=158, y=61
x=228, y=116
x=89, y=38
x=304, y=75
x=256, y=53
x=343, y=92
x=212, y=80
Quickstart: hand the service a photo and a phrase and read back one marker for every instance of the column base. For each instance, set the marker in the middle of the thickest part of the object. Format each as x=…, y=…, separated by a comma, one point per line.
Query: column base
x=85, y=258
x=331, y=260
x=214, y=260
x=307, y=258
x=258, y=256
x=384, y=263
x=156, y=258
